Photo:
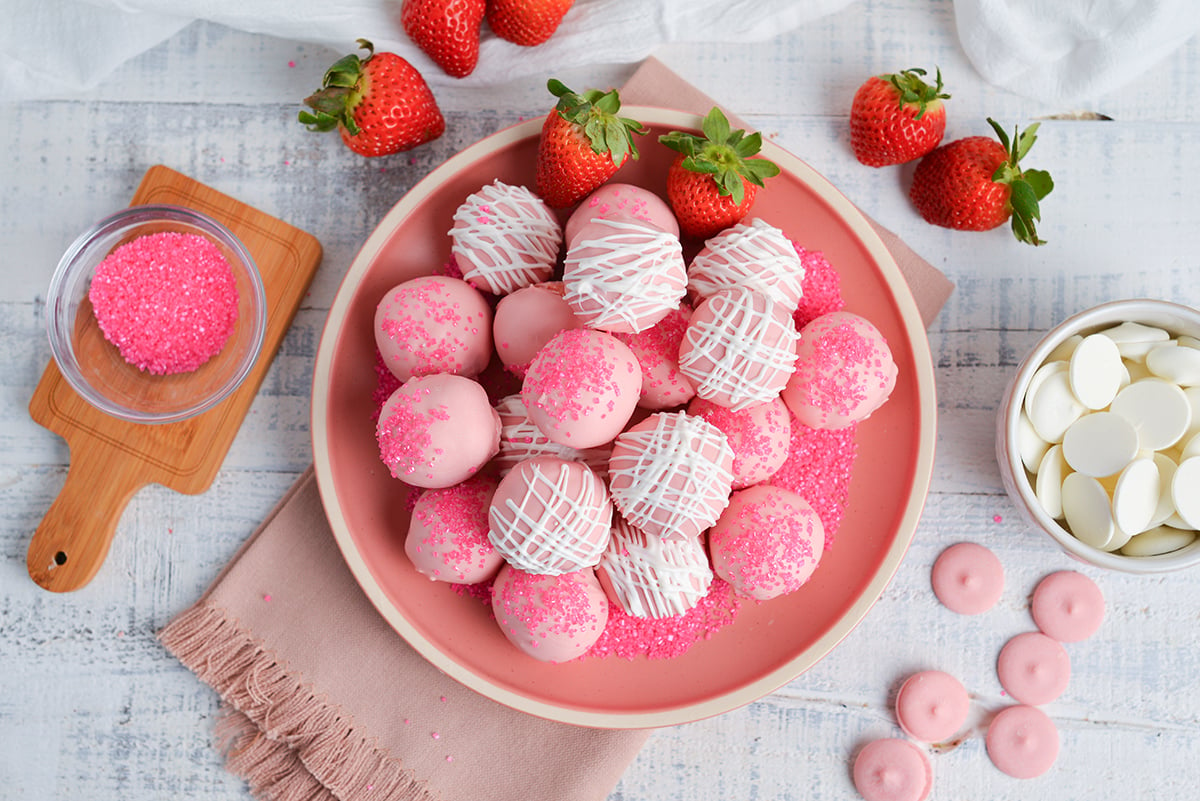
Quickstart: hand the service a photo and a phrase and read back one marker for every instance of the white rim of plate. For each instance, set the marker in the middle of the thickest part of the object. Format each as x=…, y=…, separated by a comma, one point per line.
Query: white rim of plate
x=740, y=696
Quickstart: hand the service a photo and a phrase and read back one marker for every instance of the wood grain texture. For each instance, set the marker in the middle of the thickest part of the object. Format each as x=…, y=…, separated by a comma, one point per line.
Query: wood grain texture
x=112, y=458
x=92, y=707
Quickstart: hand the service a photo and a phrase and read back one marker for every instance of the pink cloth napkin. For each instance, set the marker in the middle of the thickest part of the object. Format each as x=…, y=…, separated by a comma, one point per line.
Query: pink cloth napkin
x=323, y=700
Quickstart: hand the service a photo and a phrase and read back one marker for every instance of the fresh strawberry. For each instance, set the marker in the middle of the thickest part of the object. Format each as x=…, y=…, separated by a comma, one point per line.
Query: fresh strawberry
x=897, y=118
x=583, y=143
x=714, y=179
x=526, y=22
x=379, y=104
x=976, y=184
x=447, y=30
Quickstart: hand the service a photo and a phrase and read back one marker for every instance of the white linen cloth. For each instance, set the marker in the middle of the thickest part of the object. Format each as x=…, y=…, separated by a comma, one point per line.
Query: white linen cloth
x=1051, y=50
x=73, y=44
x=1062, y=51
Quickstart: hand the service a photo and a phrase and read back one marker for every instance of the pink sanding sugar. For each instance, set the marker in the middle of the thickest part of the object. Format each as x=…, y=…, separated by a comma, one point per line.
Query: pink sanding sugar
x=822, y=287
x=385, y=384
x=168, y=301
x=818, y=468
x=665, y=638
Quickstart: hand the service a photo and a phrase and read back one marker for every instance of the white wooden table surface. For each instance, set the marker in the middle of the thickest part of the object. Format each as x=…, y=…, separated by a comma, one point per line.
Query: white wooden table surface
x=91, y=706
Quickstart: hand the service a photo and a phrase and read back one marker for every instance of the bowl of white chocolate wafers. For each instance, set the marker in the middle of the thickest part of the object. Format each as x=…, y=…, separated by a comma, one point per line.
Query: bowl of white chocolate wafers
x=1098, y=436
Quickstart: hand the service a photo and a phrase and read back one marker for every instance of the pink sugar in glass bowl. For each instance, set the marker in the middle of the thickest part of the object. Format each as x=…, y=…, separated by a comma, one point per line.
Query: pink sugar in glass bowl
x=95, y=367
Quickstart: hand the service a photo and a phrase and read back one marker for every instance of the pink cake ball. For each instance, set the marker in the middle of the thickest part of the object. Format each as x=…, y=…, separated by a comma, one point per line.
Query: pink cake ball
x=168, y=301
x=755, y=255
x=527, y=319
x=582, y=387
x=520, y=439
x=767, y=543
x=551, y=618
x=844, y=371
x=657, y=352
x=504, y=238
x=670, y=475
x=760, y=435
x=437, y=430
x=739, y=348
x=652, y=577
x=434, y=324
x=448, y=533
x=623, y=276
x=621, y=201
x=550, y=516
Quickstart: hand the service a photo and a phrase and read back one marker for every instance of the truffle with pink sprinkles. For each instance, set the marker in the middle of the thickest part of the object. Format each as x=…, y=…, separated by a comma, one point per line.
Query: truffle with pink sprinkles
x=551, y=618
x=168, y=301
x=520, y=439
x=582, y=387
x=433, y=324
x=435, y=431
x=448, y=533
x=759, y=435
x=767, y=543
x=844, y=371
x=657, y=352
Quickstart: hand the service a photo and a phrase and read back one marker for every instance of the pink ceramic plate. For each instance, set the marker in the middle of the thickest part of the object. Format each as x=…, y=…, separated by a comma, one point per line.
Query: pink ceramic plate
x=769, y=644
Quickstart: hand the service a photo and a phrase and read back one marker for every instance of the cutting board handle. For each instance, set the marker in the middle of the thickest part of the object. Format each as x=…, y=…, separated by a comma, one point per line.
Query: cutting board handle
x=74, y=537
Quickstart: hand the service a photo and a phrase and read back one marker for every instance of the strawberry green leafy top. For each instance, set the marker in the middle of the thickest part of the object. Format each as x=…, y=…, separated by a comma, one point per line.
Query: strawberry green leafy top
x=596, y=112
x=334, y=102
x=1027, y=186
x=723, y=153
x=912, y=90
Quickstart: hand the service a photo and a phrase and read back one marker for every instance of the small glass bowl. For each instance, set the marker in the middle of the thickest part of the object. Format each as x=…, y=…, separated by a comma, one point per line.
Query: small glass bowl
x=1172, y=317
x=95, y=368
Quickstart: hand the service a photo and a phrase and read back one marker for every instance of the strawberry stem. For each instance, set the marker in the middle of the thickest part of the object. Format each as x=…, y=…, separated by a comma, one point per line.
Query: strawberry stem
x=596, y=113
x=725, y=154
x=912, y=90
x=1027, y=187
x=334, y=102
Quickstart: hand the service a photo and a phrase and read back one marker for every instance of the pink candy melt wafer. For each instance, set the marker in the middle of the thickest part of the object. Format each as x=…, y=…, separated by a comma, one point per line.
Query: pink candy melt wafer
x=1033, y=668
x=892, y=769
x=168, y=301
x=931, y=706
x=1022, y=742
x=967, y=578
x=1067, y=606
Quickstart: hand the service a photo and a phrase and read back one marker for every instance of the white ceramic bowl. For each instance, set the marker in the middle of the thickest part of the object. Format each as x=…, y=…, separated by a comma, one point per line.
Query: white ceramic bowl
x=1172, y=317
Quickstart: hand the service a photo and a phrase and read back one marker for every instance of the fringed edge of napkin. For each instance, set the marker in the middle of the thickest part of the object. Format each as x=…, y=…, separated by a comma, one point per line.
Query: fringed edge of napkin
x=277, y=721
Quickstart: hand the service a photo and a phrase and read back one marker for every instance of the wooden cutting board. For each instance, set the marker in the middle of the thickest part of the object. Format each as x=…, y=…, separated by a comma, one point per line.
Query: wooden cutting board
x=111, y=459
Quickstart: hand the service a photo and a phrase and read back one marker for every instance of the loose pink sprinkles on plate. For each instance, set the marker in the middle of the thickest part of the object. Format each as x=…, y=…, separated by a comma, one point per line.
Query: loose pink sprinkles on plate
x=168, y=301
